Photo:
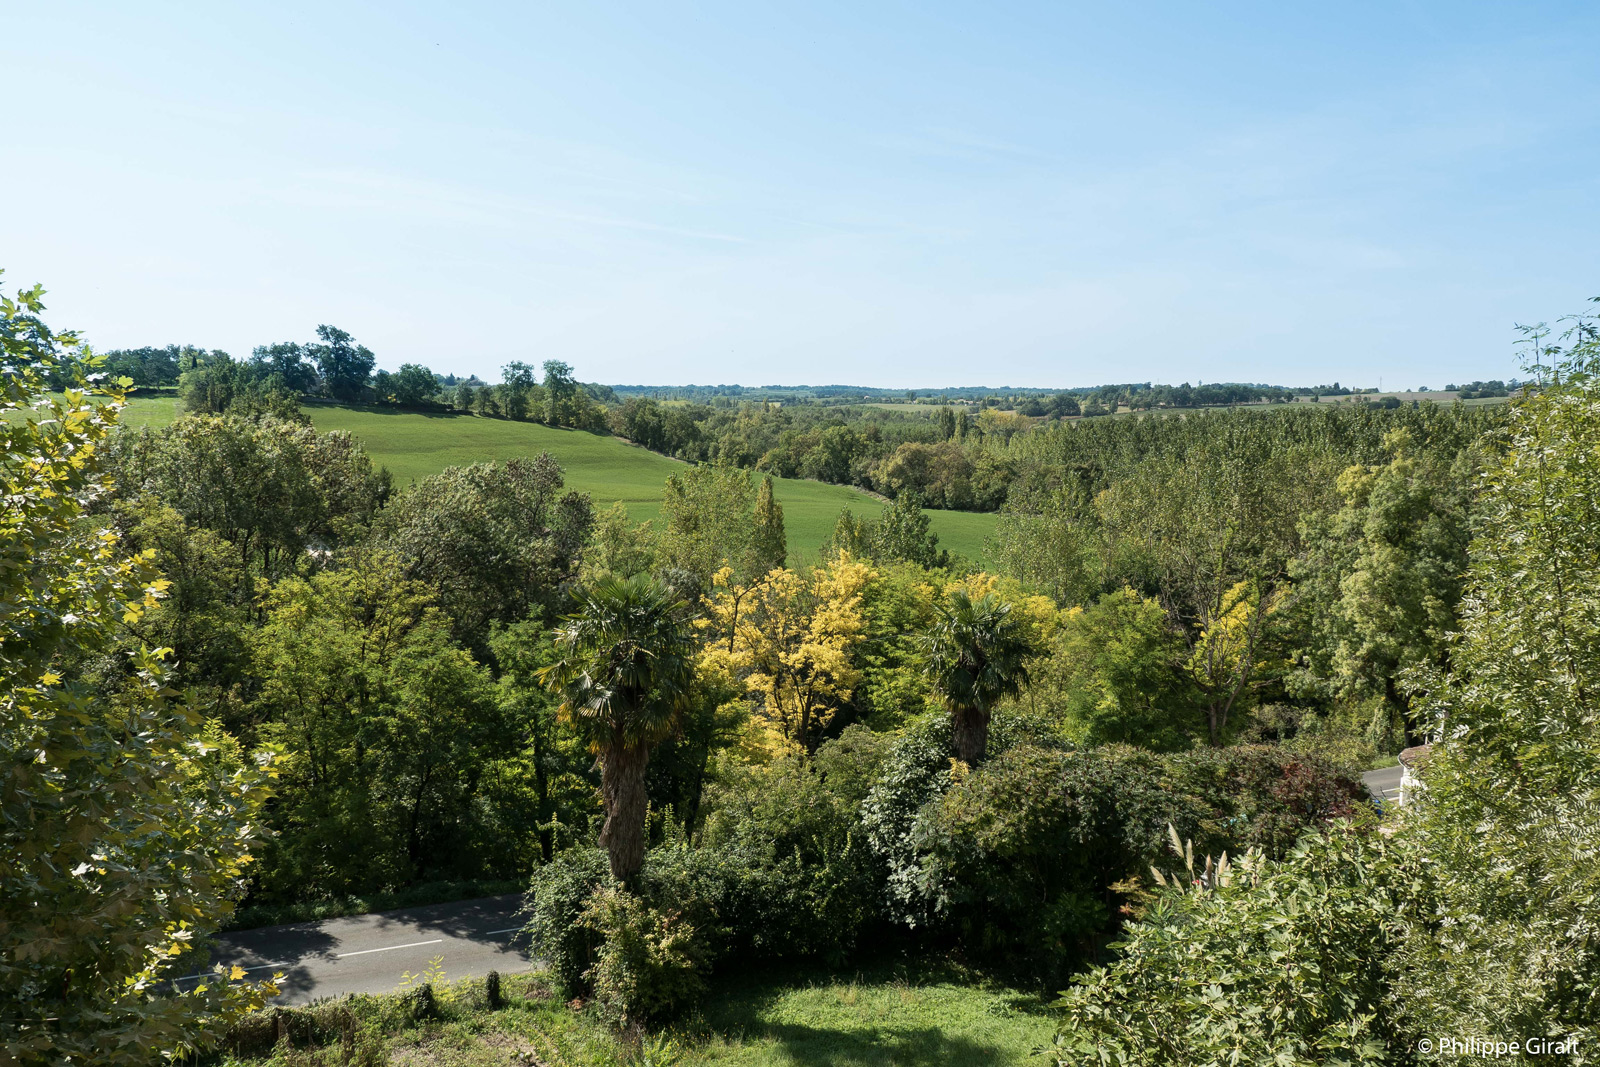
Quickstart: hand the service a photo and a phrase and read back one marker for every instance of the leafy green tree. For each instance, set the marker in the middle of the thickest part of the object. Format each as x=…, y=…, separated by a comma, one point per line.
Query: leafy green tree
x=495, y=540
x=126, y=823
x=287, y=362
x=344, y=365
x=270, y=489
x=1214, y=530
x=1378, y=585
x=904, y=532
x=147, y=366
x=560, y=393
x=519, y=375
x=1116, y=676
x=626, y=661
x=1050, y=539
x=834, y=456
x=461, y=399
x=204, y=618
x=897, y=608
x=390, y=726
x=709, y=521
x=513, y=401
x=901, y=534
x=215, y=384
x=413, y=385
x=977, y=655
x=642, y=421
x=619, y=546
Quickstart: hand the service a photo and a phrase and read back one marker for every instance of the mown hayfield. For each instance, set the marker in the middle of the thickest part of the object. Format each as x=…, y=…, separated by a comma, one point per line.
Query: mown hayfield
x=414, y=445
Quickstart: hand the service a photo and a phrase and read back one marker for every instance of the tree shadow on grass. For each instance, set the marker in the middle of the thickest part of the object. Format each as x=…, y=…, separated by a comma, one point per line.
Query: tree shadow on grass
x=882, y=1046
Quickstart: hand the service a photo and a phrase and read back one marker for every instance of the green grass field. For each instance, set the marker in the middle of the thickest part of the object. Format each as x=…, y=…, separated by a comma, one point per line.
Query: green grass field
x=921, y=1016
x=414, y=445
x=925, y=1020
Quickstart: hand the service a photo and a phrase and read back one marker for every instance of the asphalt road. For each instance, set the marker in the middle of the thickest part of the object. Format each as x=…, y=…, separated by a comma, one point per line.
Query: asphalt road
x=369, y=953
x=1384, y=784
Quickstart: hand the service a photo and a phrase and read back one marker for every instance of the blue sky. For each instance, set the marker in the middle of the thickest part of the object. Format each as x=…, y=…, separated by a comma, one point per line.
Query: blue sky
x=879, y=193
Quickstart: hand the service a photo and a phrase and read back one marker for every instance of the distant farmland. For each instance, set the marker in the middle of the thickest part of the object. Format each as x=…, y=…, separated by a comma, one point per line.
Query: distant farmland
x=415, y=445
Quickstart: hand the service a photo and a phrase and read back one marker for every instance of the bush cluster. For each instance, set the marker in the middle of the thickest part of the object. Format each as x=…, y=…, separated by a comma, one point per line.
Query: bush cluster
x=1024, y=862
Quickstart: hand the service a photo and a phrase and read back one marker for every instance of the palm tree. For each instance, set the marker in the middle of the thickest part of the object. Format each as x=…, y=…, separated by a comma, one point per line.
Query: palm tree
x=626, y=661
x=977, y=654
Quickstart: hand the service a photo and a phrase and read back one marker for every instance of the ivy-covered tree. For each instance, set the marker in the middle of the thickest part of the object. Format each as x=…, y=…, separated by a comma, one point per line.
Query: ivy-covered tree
x=126, y=823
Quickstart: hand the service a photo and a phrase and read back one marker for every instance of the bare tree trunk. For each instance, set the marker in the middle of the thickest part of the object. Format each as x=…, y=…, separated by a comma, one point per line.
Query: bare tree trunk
x=623, y=790
x=970, y=727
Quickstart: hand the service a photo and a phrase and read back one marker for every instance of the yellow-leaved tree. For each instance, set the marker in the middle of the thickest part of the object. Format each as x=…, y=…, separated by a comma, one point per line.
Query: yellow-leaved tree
x=1226, y=658
x=790, y=638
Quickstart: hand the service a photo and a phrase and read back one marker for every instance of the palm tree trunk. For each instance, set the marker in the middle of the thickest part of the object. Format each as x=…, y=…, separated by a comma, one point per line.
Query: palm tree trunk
x=623, y=791
x=970, y=729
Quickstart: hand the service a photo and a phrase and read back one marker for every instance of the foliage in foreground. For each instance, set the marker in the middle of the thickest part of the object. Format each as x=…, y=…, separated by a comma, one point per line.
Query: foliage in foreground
x=1285, y=965
x=125, y=821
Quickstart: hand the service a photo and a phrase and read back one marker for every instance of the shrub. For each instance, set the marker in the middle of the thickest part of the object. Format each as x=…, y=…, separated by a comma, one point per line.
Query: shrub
x=1031, y=857
x=492, y=996
x=557, y=897
x=1265, y=796
x=1021, y=857
x=649, y=964
x=784, y=869
x=1285, y=965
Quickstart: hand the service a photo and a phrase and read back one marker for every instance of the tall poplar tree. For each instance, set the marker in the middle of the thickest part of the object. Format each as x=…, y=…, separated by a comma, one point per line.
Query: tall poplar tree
x=769, y=547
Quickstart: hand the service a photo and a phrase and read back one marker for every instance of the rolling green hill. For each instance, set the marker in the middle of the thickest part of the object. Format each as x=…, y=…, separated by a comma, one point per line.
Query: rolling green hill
x=414, y=445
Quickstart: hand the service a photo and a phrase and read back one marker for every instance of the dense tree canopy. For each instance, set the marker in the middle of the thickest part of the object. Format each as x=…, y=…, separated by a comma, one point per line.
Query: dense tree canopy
x=495, y=540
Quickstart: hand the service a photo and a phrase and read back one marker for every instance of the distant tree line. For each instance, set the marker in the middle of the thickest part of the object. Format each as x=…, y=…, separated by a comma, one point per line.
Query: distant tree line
x=952, y=458
x=278, y=376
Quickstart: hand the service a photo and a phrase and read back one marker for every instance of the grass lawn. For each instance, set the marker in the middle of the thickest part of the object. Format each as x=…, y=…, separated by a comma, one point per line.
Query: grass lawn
x=882, y=1018
x=414, y=445
x=879, y=1018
